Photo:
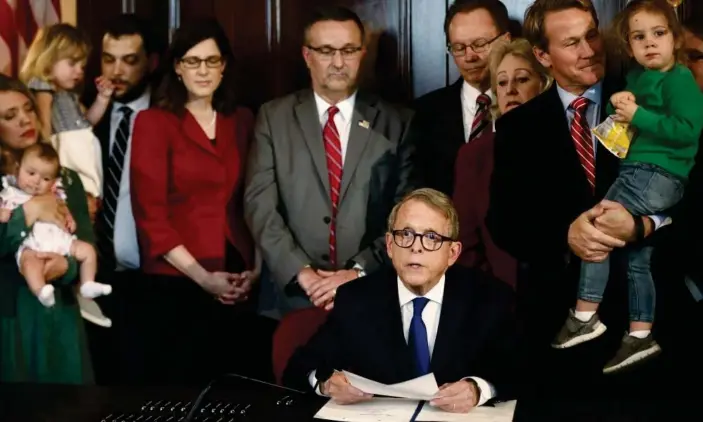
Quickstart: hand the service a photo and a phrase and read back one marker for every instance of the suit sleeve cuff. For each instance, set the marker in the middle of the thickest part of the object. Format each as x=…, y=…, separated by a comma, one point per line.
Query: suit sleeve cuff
x=358, y=266
x=313, y=383
x=660, y=220
x=487, y=391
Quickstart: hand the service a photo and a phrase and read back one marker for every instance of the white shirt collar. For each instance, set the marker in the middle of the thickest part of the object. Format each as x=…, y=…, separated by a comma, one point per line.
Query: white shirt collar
x=436, y=294
x=593, y=94
x=139, y=104
x=470, y=94
x=346, y=107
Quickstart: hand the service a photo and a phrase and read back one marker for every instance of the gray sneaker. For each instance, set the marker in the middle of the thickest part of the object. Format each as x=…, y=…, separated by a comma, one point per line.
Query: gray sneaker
x=632, y=350
x=576, y=331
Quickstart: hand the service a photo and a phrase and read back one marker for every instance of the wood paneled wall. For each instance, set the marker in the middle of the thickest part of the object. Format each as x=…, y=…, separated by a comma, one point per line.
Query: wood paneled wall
x=407, y=55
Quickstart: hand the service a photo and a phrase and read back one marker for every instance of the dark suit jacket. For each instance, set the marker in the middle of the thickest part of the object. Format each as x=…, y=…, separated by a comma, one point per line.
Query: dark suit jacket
x=473, y=170
x=688, y=226
x=537, y=176
x=364, y=334
x=537, y=190
x=187, y=191
x=439, y=127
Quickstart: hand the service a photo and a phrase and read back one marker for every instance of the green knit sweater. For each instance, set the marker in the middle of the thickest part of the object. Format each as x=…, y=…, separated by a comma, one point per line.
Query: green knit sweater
x=669, y=118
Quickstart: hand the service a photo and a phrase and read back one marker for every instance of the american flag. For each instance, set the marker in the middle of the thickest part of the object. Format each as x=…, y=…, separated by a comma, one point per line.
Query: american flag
x=19, y=21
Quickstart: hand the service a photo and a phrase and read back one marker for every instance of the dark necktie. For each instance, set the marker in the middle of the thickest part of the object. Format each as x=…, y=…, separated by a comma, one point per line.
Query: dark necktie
x=333, y=151
x=481, y=118
x=113, y=175
x=417, y=337
x=583, y=142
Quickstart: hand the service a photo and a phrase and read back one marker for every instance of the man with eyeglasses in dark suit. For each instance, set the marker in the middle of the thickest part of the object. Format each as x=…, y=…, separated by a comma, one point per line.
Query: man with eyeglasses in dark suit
x=448, y=118
x=421, y=316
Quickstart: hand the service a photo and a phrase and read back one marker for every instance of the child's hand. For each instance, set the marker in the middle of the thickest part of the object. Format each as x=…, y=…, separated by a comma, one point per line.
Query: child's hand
x=105, y=87
x=625, y=112
x=5, y=215
x=70, y=223
x=621, y=98
x=93, y=207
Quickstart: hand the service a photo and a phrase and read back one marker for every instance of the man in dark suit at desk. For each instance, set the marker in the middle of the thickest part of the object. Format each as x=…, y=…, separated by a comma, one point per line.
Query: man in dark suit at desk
x=424, y=317
x=447, y=118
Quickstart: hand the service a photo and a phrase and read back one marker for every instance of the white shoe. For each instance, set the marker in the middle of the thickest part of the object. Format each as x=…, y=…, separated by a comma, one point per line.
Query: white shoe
x=90, y=311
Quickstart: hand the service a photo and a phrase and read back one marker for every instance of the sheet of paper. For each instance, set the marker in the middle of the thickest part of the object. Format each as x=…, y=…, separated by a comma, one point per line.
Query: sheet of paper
x=422, y=388
x=502, y=412
x=378, y=409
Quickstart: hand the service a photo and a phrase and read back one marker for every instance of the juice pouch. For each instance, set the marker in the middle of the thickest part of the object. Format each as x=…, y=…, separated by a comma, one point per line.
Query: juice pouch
x=616, y=137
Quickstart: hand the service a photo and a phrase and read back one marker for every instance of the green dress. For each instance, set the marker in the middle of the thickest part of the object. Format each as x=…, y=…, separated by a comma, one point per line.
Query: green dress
x=38, y=344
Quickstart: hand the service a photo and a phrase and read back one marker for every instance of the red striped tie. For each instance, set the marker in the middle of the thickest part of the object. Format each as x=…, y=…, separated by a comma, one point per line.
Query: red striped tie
x=581, y=134
x=481, y=120
x=333, y=150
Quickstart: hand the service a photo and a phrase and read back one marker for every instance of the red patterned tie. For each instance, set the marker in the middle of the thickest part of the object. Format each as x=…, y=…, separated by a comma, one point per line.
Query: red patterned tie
x=333, y=150
x=481, y=120
x=581, y=134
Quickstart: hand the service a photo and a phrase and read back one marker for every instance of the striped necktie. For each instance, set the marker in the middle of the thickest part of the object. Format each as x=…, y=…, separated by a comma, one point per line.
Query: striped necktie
x=481, y=118
x=581, y=134
x=113, y=175
x=333, y=151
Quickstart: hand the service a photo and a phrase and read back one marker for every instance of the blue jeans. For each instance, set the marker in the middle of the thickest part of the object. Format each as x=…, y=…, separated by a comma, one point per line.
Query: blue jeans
x=643, y=189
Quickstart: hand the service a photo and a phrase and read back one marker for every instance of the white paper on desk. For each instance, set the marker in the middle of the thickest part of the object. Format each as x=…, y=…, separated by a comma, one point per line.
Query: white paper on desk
x=378, y=409
x=502, y=412
x=422, y=388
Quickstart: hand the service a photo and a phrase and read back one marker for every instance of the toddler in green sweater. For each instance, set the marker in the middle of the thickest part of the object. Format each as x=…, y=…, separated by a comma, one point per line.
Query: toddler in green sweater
x=663, y=104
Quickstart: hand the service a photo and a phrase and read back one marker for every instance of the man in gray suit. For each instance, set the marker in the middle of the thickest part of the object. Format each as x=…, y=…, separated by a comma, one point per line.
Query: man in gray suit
x=326, y=168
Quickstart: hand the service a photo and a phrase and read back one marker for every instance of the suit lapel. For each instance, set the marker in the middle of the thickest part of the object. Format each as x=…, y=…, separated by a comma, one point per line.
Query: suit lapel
x=565, y=143
x=362, y=126
x=606, y=163
x=454, y=307
x=225, y=139
x=195, y=133
x=403, y=359
x=102, y=132
x=309, y=121
x=455, y=114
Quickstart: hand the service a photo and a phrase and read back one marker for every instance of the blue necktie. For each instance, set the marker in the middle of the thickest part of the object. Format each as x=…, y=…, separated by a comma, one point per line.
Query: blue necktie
x=417, y=337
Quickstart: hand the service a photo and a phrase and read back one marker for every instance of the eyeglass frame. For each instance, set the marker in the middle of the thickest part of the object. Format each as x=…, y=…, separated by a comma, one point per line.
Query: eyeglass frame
x=333, y=51
x=220, y=62
x=443, y=239
x=472, y=46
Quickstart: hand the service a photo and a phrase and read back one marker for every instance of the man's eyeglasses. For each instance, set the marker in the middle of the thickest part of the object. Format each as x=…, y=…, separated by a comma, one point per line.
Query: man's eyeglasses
x=192, y=62
x=478, y=46
x=328, y=52
x=430, y=241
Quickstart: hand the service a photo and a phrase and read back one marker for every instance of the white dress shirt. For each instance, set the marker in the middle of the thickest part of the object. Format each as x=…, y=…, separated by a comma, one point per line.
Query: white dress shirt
x=430, y=316
x=469, y=95
x=342, y=120
x=125, y=236
x=595, y=95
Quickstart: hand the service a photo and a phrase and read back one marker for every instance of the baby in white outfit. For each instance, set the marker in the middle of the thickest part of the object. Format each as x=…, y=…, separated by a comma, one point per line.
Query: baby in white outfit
x=38, y=174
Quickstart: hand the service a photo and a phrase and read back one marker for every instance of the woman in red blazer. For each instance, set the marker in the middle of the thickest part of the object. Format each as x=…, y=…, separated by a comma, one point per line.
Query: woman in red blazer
x=187, y=173
x=516, y=77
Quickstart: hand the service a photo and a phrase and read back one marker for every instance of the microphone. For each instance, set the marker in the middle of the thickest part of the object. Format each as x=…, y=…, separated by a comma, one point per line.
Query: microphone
x=198, y=402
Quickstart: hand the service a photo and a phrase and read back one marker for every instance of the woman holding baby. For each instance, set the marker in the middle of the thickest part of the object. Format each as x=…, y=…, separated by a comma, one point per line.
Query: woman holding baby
x=39, y=343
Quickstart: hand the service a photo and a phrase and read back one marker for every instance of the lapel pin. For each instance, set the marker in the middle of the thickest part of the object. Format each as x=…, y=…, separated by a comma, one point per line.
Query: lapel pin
x=364, y=124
